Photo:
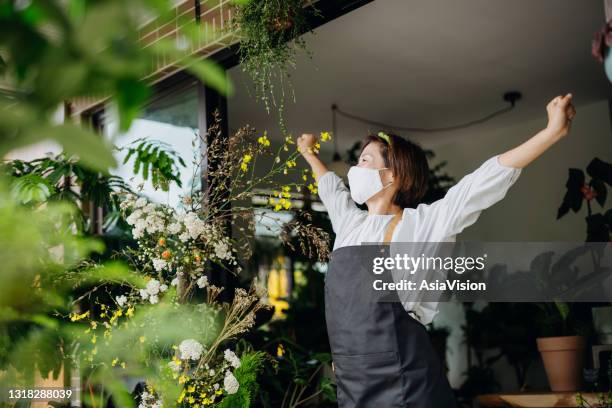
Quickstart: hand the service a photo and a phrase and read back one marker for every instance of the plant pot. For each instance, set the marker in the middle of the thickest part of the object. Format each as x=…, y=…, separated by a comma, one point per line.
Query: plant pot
x=563, y=361
x=602, y=321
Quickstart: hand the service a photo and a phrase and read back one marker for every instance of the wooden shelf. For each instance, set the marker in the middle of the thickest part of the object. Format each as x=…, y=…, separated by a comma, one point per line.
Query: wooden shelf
x=534, y=399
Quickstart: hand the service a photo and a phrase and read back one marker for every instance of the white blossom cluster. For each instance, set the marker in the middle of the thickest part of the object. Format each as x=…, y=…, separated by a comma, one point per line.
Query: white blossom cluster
x=230, y=383
x=202, y=281
x=190, y=349
x=232, y=358
x=152, y=291
x=148, y=400
x=194, y=226
x=222, y=249
x=145, y=217
x=121, y=300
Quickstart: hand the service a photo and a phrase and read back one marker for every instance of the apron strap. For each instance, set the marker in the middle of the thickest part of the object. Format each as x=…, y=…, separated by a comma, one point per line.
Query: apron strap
x=391, y=227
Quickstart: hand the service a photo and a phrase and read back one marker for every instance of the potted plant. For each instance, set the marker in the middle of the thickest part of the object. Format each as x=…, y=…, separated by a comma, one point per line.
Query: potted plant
x=602, y=322
x=562, y=353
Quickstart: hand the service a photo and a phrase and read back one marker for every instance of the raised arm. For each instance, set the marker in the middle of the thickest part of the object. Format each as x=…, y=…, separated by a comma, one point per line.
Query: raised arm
x=489, y=183
x=560, y=114
x=334, y=195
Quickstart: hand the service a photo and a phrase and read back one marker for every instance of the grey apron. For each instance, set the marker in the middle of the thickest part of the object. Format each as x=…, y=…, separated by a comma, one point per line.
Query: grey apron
x=383, y=357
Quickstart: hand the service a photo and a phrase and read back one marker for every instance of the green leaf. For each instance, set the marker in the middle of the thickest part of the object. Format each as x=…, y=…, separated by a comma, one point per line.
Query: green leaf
x=211, y=74
x=563, y=309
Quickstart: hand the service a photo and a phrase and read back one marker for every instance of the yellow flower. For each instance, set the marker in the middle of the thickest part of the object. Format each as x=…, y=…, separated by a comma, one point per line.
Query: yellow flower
x=141, y=339
x=285, y=192
x=280, y=350
x=93, y=324
x=123, y=364
x=317, y=146
x=181, y=397
x=130, y=312
x=183, y=379
x=94, y=338
x=191, y=400
x=218, y=392
x=263, y=140
x=312, y=188
x=191, y=388
x=76, y=317
x=290, y=163
x=114, y=362
x=245, y=161
x=325, y=136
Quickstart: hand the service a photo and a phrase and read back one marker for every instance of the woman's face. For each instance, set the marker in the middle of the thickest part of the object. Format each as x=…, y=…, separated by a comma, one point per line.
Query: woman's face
x=371, y=158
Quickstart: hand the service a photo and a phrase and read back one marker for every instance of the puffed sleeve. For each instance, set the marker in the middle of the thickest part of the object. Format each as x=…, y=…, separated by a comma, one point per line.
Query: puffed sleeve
x=336, y=198
x=463, y=203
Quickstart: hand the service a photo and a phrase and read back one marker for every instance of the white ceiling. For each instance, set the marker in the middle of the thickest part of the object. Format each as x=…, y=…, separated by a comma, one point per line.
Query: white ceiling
x=436, y=63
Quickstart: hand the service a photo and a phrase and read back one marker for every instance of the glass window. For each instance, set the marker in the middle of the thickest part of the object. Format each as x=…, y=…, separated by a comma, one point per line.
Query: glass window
x=171, y=118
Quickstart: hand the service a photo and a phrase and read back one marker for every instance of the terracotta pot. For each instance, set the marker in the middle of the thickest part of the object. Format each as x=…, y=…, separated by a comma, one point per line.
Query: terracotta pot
x=563, y=361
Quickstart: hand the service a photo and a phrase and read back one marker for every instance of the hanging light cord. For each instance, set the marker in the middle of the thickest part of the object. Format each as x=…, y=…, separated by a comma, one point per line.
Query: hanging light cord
x=417, y=129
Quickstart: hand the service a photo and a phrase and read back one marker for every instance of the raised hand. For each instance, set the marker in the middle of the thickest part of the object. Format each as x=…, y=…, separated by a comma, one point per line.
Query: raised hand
x=305, y=143
x=560, y=114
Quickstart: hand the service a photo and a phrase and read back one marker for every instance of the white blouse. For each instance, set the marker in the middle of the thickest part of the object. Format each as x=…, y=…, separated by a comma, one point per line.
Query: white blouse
x=440, y=221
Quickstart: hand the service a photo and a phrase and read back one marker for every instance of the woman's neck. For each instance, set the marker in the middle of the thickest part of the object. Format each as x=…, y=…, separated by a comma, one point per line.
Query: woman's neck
x=382, y=206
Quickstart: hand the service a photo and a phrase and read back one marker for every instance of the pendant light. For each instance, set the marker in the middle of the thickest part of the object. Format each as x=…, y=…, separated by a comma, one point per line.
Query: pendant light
x=338, y=166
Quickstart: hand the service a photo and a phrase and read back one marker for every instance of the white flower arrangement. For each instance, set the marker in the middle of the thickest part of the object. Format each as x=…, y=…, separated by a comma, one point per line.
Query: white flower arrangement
x=190, y=350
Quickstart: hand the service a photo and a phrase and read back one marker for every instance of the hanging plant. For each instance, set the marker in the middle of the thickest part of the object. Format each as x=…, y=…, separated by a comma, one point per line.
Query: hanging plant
x=269, y=33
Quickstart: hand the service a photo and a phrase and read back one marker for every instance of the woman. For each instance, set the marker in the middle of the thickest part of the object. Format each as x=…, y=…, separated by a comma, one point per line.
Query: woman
x=382, y=356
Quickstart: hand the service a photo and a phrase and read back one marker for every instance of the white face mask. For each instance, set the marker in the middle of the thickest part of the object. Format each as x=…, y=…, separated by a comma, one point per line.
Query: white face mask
x=365, y=183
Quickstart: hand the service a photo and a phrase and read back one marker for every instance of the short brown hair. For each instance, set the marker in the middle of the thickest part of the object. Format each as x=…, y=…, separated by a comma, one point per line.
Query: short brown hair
x=408, y=162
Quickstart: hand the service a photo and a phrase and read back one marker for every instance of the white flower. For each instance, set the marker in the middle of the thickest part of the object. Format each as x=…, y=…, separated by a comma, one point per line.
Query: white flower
x=216, y=386
x=202, y=281
x=175, y=366
x=144, y=294
x=174, y=228
x=222, y=250
x=121, y=300
x=153, y=299
x=232, y=358
x=194, y=225
x=149, y=208
x=141, y=202
x=160, y=264
x=190, y=349
x=163, y=288
x=211, y=372
x=174, y=282
x=230, y=383
x=153, y=287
